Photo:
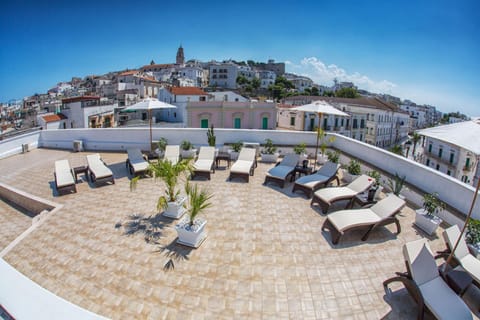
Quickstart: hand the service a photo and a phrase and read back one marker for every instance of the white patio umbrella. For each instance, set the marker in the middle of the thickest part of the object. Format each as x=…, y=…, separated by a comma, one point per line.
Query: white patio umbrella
x=320, y=108
x=149, y=104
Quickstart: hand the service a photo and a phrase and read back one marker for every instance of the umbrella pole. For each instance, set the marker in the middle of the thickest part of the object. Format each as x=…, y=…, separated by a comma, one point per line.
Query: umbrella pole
x=475, y=195
x=150, y=142
x=316, y=145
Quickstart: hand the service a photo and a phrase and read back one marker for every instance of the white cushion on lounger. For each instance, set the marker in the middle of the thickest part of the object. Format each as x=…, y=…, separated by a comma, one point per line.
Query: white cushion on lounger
x=242, y=166
x=63, y=173
x=136, y=160
x=96, y=165
x=172, y=153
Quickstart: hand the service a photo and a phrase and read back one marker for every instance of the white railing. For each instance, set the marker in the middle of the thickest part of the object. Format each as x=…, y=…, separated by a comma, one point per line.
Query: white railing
x=13, y=145
x=453, y=192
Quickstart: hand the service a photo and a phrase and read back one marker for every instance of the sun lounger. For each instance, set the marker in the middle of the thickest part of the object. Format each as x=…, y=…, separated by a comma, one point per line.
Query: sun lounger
x=424, y=283
x=282, y=170
x=380, y=214
x=64, y=180
x=311, y=183
x=245, y=165
x=136, y=163
x=172, y=153
x=462, y=254
x=99, y=172
x=205, y=163
x=327, y=196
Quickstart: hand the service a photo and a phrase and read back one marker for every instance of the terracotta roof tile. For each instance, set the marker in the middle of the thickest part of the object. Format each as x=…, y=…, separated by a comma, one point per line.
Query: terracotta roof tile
x=54, y=117
x=187, y=91
x=128, y=73
x=80, y=98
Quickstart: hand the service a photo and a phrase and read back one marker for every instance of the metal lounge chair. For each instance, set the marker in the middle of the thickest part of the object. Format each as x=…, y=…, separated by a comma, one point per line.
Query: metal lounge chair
x=462, y=254
x=205, y=163
x=64, y=180
x=311, y=183
x=327, y=196
x=423, y=281
x=172, y=153
x=245, y=165
x=381, y=214
x=136, y=163
x=98, y=171
x=282, y=170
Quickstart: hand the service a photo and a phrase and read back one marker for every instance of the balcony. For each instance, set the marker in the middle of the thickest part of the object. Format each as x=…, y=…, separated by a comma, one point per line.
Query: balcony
x=265, y=255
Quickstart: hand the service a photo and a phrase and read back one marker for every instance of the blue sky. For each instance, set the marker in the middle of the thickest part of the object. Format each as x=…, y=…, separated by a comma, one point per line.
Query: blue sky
x=426, y=51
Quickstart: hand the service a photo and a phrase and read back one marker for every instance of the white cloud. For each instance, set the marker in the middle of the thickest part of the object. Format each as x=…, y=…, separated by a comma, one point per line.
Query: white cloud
x=324, y=74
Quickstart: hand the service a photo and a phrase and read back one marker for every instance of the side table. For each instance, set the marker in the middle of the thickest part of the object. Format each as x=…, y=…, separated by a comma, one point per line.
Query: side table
x=78, y=170
x=459, y=280
x=301, y=170
x=222, y=156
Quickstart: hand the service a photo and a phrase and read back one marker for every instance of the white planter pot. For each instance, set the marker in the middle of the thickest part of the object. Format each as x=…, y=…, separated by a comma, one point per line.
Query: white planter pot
x=175, y=209
x=347, y=177
x=321, y=158
x=191, y=236
x=234, y=155
x=188, y=154
x=269, y=157
x=429, y=224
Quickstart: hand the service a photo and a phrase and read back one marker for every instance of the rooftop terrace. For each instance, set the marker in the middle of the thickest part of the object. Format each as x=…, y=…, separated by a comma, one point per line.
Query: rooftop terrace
x=265, y=255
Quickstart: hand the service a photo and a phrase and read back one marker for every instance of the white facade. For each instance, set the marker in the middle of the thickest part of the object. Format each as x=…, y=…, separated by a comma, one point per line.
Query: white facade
x=418, y=115
x=180, y=100
x=80, y=111
x=267, y=78
x=300, y=82
x=226, y=96
x=223, y=75
x=197, y=75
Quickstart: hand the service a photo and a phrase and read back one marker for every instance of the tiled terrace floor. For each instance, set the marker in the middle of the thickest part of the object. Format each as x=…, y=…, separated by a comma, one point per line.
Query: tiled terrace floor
x=265, y=256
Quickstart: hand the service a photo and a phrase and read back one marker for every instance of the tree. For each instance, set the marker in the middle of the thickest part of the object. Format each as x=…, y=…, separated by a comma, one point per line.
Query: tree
x=328, y=94
x=397, y=149
x=415, y=138
x=347, y=93
x=315, y=91
x=242, y=80
x=255, y=83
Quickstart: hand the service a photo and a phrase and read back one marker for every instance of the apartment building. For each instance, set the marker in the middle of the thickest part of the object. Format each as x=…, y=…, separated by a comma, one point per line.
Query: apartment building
x=223, y=75
x=88, y=112
x=179, y=97
x=453, y=149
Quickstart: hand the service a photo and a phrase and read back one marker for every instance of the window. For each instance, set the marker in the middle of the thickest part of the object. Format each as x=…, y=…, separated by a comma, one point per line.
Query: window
x=362, y=124
x=237, y=123
x=292, y=121
x=449, y=172
x=204, y=123
x=440, y=152
x=467, y=162
x=325, y=124
x=427, y=163
x=355, y=124
x=452, y=156
x=430, y=148
x=437, y=167
x=348, y=123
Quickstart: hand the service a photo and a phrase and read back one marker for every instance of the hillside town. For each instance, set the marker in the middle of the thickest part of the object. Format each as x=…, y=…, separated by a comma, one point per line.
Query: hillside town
x=241, y=95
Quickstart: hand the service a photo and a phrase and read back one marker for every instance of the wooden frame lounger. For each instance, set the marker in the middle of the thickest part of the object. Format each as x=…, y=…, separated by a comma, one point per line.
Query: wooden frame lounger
x=424, y=283
x=327, y=196
x=382, y=213
x=136, y=162
x=462, y=254
x=311, y=183
x=172, y=153
x=282, y=170
x=98, y=171
x=245, y=165
x=64, y=177
x=205, y=163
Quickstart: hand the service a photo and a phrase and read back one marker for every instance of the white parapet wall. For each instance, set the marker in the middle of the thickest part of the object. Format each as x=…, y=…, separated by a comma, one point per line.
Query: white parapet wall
x=14, y=144
x=452, y=191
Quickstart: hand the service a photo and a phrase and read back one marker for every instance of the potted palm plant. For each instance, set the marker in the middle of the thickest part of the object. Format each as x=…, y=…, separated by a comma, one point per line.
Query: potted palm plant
x=473, y=236
x=352, y=172
x=333, y=156
x=301, y=150
x=376, y=189
x=322, y=156
x=161, y=145
x=187, y=150
x=172, y=202
x=211, y=137
x=396, y=184
x=269, y=153
x=191, y=230
x=426, y=218
x=236, y=147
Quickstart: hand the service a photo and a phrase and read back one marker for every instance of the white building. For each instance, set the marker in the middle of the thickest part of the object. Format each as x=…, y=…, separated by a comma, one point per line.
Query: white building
x=300, y=82
x=418, y=115
x=179, y=97
x=88, y=112
x=223, y=75
x=267, y=78
x=454, y=149
x=226, y=96
x=197, y=75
